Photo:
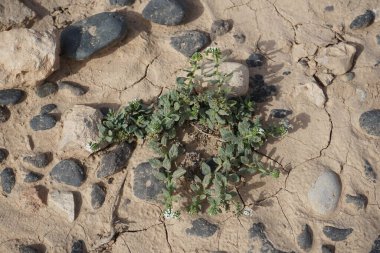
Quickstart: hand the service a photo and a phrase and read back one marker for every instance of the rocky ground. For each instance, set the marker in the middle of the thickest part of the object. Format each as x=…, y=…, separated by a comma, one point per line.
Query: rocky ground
x=64, y=63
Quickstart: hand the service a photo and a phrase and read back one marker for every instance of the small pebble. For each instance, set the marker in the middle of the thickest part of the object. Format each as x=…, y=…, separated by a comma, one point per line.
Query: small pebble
x=11, y=96
x=220, y=27
x=68, y=172
x=4, y=114
x=98, y=196
x=115, y=160
x=78, y=247
x=369, y=172
x=74, y=88
x=122, y=2
x=3, y=154
x=32, y=177
x=305, y=238
x=202, y=228
x=8, y=180
x=328, y=249
x=376, y=246
x=239, y=37
x=348, y=76
x=280, y=113
x=329, y=8
x=255, y=60
x=362, y=21
x=286, y=73
x=46, y=89
x=370, y=122
x=48, y=108
x=40, y=160
x=360, y=201
x=42, y=122
x=190, y=42
x=337, y=234
x=164, y=12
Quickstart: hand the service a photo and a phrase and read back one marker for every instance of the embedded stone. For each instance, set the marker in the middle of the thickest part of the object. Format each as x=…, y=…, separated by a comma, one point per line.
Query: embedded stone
x=39, y=160
x=362, y=21
x=98, y=196
x=189, y=42
x=64, y=202
x=370, y=122
x=145, y=185
x=337, y=234
x=42, y=122
x=305, y=238
x=115, y=160
x=8, y=180
x=5, y=114
x=46, y=89
x=68, y=172
x=164, y=12
x=11, y=96
x=202, y=228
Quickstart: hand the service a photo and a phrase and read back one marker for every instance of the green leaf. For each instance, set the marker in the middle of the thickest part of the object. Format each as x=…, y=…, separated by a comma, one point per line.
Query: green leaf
x=206, y=170
x=206, y=180
x=167, y=163
x=179, y=173
x=194, y=187
x=223, y=112
x=155, y=163
x=234, y=178
x=159, y=175
x=173, y=152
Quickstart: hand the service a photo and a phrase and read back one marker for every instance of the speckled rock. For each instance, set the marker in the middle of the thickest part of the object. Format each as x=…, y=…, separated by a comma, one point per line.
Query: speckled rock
x=145, y=185
x=376, y=246
x=39, y=160
x=369, y=172
x=48, y=108
x=305, y=238
x=42, y=122
x=370, y=122
x=63, y=202
x=202, y=228
x=5, y=114
x=164, y=12
x=239, y=37
x=189, y=42
x=68, y=172
x=8, y=180
x=324, y=194
x=359, y=200
x=362, y=21
x=11, y=96
x=114, y=160
x=220, y=27
x=98, y=196
x=86, y=37
x=46, y=89
x=337, y=234
x=78, y=247
x=32, y=177
x=3, y=154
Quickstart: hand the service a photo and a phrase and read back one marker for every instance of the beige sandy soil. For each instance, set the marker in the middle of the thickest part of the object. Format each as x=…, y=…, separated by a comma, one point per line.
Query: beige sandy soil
x=326, y=133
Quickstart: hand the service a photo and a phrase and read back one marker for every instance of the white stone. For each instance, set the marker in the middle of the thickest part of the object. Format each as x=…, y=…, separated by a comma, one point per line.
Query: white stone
x=80, y=127
x=64, y=202
x=26, y=56
x=238, y=82
x=337, y=58
x=314, y=93
x=14, y=13
x=324, y=194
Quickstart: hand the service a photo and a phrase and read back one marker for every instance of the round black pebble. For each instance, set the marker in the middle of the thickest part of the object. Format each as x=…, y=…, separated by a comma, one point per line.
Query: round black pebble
x=362, y=21
x=11, y=96
x=8, y=180
x=42, y=122
x=98, y=196
x=164, y=12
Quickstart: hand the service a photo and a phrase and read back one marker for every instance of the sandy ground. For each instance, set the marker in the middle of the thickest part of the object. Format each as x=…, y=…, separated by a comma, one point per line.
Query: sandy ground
x=143, y=65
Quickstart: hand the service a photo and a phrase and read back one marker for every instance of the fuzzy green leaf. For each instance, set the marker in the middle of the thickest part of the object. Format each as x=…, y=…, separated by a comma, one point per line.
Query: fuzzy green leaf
x=206, y=170
x=173, y=152
x=179, y=173
x=159, y=175
x=155, y=163
x=167, y=163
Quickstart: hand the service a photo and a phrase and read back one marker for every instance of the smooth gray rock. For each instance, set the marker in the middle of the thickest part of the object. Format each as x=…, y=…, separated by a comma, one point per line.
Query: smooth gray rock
x=376, y=246
x=305, y=238
x=164, y=12
x=3, y=154
x=11, y=96
x=114, y=160
x=98, y=196
x=280, y=113
x=48, y=108
x=328, y=249
x=145, y=185
x=122, y=2
x=369, y=172
x=32, y=177
x=202, y=228
x=370, y=122
x=75, y=88
x=78, y=247
x=68, y=172
x=220, y=27
x=190, y=42
x=360, y=201
x=362, y=21
x=86, y=37
x=337, y=234
x=42, y=122
x=5, y=114
x=324, y=194
x=39, y=160
x=8, y=180
x=46, y=89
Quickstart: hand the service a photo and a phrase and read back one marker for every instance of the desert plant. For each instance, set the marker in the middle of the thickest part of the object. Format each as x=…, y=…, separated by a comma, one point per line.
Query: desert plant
x=230, y=120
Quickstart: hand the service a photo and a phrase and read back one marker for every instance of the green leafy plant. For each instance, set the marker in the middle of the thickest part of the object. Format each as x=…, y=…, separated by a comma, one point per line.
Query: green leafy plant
x=229, y=120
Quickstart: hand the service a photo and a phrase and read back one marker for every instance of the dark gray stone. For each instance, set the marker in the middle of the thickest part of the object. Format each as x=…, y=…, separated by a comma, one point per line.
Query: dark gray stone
x=305, y=238
x=98, y=196
x=329, y=8
x=86, y=37
x=8, y=180
x=32, y=177
x=68, y=172
x=122, y=2
x=360, y=201
x=48, y=108
x=75, y=88
x=164, y=12
x=260, y=91
x=258, y=231
x=337, y=234
x=42, y=122
x=376, y=246
x=78, y=247
x=145, y=185
x=11, y=96
x=378, y=39
x=202, y=228
x=28, y=249
x=280, y=113
x=220, y=27
x=239, y=37
x=46, y=89
x=370, y=122
x=115, y=160
x=362, y=21
x=369, y=172
x=3, y=154
x=190, y=42
x=286, y=73
x=39, y=160
x=4, y=114
x=349, y=76
x=328, y=249
x=255, y=60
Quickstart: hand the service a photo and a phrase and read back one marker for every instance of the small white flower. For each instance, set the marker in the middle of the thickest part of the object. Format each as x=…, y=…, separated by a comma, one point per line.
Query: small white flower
x=247, y=211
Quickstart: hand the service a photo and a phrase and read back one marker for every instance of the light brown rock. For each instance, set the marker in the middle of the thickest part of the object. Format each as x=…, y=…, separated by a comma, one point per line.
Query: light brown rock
x=79, y=128
x=64, y=202
x=13, y=14
x=337, y=58
x=26, y=56
x=325, y=78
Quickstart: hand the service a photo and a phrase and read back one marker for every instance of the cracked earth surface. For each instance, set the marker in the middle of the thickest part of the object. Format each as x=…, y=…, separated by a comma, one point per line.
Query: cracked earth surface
x=326, y=133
